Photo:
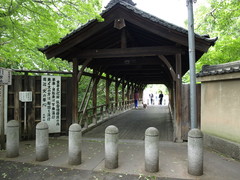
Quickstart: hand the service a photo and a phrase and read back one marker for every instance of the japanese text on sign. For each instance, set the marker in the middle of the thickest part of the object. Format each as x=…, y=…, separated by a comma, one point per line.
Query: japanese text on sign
x=25, y=96
x=51, y=102
x=5, y=76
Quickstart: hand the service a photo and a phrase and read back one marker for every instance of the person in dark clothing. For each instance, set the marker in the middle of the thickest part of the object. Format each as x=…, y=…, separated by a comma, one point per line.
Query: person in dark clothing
x=160, y=98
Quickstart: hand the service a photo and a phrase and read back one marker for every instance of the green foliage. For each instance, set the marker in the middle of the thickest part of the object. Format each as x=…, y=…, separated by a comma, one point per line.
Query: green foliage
x=221, y=19
x=26, y=25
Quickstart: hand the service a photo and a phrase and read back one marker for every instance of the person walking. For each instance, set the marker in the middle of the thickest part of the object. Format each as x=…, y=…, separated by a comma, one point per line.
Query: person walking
x=160, y=97
x=136, y=98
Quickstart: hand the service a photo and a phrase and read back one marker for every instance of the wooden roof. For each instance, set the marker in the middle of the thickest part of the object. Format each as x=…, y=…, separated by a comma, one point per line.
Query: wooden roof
x=129, y=44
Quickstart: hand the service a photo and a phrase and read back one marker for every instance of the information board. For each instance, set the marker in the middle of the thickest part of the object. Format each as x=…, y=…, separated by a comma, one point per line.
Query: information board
x=51, y=102
x=25, y=96
x=5, y=76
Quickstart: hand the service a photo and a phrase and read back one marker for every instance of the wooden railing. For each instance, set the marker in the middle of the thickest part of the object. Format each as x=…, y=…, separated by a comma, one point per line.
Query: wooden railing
x=95, y=115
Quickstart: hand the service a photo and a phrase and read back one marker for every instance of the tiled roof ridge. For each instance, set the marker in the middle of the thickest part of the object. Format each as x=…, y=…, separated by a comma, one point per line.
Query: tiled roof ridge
x=225, y=68
x=113, y=2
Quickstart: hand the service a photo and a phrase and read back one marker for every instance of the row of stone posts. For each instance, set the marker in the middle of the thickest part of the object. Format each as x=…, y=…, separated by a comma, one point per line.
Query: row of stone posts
x=195, y=146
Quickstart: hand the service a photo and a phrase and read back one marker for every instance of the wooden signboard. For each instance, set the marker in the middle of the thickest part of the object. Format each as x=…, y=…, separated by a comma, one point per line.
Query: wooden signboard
x=51, y=102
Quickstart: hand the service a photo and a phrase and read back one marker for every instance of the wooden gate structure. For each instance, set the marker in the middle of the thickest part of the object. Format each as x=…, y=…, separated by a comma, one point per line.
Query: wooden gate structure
x=133, y=47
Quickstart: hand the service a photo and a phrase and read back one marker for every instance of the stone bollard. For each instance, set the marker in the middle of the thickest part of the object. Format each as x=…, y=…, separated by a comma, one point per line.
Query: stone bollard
x=74, y=144
x=12, y=145
x=111, y=147
x=152, y=150
x=195, y=152
x=42, y=141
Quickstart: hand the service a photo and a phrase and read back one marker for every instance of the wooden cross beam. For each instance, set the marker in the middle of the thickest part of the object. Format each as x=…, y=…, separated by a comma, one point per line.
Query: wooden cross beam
x=130, y=52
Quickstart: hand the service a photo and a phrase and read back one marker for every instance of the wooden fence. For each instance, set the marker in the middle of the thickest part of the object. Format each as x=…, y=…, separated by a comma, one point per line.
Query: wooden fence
x=186, y=123
x=16, y=107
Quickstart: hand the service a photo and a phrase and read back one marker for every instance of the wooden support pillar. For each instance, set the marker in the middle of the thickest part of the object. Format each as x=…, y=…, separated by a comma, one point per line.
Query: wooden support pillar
x=178, y=98
x=123, y=94
x=94, y=100
x=116, y=93
x=75, y=91
x=108, y=83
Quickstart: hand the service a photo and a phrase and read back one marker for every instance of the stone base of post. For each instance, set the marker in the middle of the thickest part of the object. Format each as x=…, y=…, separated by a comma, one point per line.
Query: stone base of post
x=195, y=152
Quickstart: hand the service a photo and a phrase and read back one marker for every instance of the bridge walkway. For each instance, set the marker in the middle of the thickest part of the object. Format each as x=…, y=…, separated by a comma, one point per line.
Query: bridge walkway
x=132, y=124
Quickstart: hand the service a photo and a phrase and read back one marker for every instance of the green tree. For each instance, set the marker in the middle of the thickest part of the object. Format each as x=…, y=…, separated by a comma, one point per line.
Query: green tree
x=26, y=25
x=222, y=19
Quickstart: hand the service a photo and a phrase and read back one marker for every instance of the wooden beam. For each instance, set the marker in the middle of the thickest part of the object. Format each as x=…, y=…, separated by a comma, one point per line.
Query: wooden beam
x=129, y=52
x=85, y=64
x=166, y=62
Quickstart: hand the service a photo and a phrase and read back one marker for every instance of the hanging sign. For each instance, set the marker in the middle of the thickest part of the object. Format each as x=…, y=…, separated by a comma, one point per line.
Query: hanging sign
x=51, y=102
x=25, y=96
x=5, y=76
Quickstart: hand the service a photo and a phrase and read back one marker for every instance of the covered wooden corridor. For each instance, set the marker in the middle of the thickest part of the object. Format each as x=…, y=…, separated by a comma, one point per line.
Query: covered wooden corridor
x=132, y=124
x=129, y=49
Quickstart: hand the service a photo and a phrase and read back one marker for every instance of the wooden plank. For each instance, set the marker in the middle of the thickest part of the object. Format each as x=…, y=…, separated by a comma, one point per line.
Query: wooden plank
x=31, y=124
x=75, y=92
x=69, y=103
x=129, y=52
x=178, y=97
x=185, y=111
x=108, y=83
x=17, y=105
x=94, y=98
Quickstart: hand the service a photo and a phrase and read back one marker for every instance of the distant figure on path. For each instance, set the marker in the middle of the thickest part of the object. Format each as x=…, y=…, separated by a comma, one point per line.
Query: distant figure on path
x=160, y=97
x=151, y=98
x=136, y=98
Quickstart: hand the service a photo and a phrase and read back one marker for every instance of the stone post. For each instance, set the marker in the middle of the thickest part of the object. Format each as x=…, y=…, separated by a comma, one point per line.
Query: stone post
x=74, y=144
x=152, y=150
x=42, y=141
x=195, y=152
x=111, y=147
x=12, y=145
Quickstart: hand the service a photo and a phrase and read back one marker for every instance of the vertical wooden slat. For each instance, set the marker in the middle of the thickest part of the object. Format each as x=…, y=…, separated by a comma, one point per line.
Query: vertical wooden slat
x=31, y=109
x=69, y=102
x=178, y=97
x=75, y=92
x=94, y=100
x=185, y=111
x=116, y=94
x=17, y=103
x=108, y=83
x=198, y=91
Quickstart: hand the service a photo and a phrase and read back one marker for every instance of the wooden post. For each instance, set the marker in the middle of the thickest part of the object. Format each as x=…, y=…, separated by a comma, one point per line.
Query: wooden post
x=17, y=107
x=94, y=100
x=178, y=97
x=123, y=94
x=116, y=93
x=31, y=109
x=108, y=83
x=2, y=137
x=75, y=91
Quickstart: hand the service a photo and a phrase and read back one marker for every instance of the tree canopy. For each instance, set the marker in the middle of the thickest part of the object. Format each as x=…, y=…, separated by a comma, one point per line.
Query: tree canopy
x=26, y=25
x=220, y=19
